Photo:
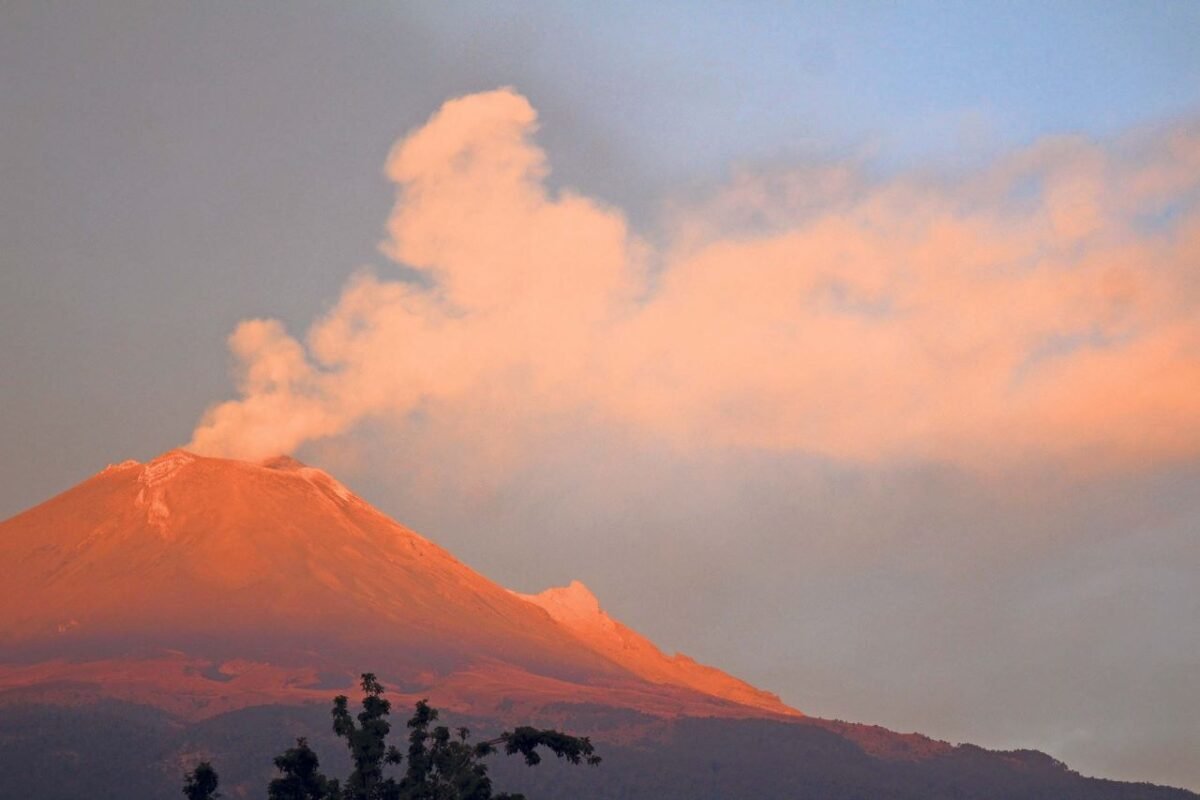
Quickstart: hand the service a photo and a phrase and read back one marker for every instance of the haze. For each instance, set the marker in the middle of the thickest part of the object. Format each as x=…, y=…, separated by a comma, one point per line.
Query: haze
x=856, y=352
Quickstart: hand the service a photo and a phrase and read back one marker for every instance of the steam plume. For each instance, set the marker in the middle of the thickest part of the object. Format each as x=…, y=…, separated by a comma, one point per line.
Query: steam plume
x=1046, y=307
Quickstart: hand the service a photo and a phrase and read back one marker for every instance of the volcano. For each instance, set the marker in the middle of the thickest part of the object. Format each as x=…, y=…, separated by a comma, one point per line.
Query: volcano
x=192, y=606
x=201, y=585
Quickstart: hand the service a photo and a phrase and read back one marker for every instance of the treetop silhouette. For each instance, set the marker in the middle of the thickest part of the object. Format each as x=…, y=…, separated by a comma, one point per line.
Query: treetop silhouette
x=441, y=765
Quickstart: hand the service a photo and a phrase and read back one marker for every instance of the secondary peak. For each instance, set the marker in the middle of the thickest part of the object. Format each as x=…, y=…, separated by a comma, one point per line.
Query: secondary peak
x=573, y=601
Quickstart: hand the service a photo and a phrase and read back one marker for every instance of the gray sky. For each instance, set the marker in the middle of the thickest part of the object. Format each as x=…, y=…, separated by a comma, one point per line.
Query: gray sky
x=172, y=169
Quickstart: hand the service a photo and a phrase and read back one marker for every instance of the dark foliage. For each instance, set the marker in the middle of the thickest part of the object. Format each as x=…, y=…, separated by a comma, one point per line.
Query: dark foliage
x=441, y=765
x=366, y=740
x=201, y=783
x=300, y=776
x=526, y=740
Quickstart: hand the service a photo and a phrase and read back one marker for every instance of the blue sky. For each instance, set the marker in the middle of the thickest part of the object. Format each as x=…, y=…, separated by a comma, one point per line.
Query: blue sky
x=698, y=85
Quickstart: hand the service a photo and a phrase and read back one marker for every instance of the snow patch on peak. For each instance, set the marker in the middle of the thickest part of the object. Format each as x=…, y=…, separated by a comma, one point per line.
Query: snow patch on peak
x=165, y=466
x=153, y=479
x=128, y=463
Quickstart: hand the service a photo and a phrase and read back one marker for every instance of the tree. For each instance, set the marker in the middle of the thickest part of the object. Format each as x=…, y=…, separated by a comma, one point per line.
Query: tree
x=441, y=765
x=367, y=740
x=201, y=782
x=300, y=776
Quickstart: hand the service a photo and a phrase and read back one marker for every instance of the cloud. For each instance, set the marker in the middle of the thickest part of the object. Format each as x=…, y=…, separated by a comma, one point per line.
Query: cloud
x=1044, y=307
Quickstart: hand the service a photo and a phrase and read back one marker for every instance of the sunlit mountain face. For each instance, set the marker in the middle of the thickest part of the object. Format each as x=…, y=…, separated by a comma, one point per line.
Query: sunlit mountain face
x=193, y=605
x=201, y=585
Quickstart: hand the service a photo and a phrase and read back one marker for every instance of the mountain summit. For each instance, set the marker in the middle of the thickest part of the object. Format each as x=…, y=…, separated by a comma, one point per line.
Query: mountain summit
x=194, y=607
x=204, y=584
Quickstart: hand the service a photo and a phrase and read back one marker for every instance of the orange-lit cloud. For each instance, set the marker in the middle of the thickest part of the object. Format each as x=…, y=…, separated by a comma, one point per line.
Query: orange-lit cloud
x=1046, y=307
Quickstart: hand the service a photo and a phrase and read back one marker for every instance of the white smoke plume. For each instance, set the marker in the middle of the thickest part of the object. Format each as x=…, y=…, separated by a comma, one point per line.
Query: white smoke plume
x=1045, y=307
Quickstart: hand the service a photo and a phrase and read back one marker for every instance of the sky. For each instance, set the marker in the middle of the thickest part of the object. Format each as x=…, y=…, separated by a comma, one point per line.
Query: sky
x=854, y=349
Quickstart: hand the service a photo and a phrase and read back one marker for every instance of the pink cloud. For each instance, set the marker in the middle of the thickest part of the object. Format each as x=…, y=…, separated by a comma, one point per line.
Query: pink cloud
x=1046, y=307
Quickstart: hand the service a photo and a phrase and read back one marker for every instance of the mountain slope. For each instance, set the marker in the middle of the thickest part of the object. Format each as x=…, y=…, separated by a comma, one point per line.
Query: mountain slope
x=235, y=583
x=577, y=609
x=196, y=607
